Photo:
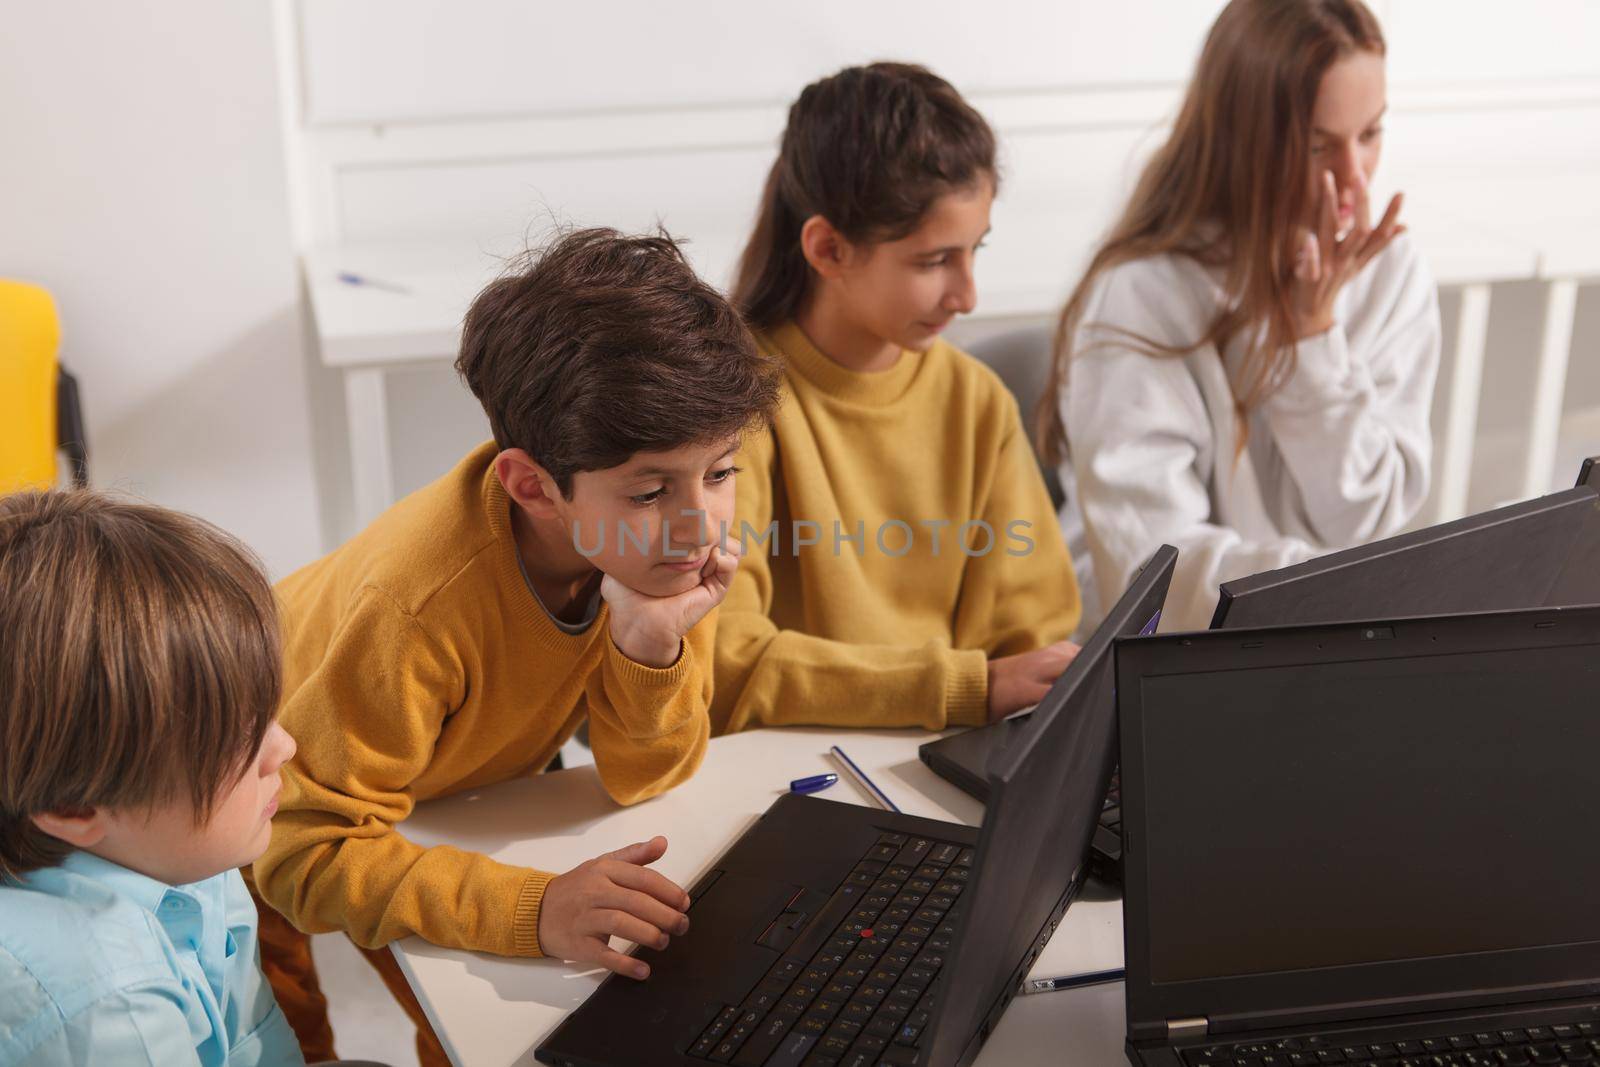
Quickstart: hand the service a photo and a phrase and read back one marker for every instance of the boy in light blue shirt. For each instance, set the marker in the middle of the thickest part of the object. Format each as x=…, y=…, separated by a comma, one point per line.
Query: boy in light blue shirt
x=139, y=675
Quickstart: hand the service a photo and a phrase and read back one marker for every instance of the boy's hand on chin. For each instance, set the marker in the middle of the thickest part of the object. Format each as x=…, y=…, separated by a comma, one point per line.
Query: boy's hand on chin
x=650, y=629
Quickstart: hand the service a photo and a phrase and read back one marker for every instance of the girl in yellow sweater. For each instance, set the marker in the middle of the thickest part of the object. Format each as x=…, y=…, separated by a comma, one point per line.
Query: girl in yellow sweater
x=901, y=564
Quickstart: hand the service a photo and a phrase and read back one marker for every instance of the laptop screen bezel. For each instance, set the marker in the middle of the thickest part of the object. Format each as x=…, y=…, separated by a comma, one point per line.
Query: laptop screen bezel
x=1150, y=585
x=1291, y=595
x=1366, y=990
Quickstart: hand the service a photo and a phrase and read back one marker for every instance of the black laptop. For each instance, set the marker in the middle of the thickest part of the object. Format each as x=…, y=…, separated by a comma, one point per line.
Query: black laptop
x=1539, y=553
x=1367, y=844
x=963, y=758
x=838, y=934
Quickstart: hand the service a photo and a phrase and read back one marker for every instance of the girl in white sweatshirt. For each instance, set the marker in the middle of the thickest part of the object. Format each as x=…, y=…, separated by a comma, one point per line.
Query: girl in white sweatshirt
x=1246, y=369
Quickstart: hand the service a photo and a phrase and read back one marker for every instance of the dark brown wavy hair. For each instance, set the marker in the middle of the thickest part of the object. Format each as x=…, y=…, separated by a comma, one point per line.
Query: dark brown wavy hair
x=604, y=345
x=869, y=149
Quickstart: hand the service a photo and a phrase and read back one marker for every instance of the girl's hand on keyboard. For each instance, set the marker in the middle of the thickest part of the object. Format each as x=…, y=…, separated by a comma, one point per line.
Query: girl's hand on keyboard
x=1016, y=682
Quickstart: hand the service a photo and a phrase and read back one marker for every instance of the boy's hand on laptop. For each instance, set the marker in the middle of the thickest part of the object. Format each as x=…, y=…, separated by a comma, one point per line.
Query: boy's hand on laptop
x=1016, y=682
x=650, y=629
x=614, y=895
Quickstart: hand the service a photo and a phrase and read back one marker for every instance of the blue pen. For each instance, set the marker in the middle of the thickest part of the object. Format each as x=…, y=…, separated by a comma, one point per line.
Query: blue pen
x=350, y=278
x=861, y=776
x=1073, y=981
x=815, y=784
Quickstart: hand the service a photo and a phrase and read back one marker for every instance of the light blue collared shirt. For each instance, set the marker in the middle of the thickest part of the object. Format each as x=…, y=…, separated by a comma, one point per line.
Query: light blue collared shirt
x=99, y=964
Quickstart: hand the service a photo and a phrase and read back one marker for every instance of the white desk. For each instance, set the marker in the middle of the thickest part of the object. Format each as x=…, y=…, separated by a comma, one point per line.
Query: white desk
x=365, y=329
x=1034, y=255
x=491, y=1011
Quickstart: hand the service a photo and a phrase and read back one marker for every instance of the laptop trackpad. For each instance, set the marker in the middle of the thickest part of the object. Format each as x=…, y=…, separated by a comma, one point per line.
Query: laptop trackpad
x=732, y=913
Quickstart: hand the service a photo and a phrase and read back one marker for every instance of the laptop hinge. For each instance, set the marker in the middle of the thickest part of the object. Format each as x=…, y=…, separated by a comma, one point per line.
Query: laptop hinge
x=1187, y=1029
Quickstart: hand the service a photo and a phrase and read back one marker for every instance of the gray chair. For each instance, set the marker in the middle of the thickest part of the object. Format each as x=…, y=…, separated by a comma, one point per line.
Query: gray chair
x=1022, y=359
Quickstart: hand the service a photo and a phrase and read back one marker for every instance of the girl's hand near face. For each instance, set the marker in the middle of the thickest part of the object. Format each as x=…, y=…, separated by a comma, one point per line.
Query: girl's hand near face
x=648, y=629
x=1327, y=261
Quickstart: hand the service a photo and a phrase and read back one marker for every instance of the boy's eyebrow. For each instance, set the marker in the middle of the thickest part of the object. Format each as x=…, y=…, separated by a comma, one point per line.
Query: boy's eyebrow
x=1381, y=112
x=662, y=472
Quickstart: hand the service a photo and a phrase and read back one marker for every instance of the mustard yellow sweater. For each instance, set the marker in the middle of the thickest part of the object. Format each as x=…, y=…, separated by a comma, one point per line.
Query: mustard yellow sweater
x=418, y=663
x=893, y=627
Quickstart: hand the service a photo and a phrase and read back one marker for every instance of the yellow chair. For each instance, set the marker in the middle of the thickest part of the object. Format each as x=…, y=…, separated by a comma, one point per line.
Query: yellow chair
x=39, y=407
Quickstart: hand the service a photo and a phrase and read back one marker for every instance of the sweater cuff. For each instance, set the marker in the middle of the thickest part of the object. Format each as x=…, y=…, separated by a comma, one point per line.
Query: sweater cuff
x=525, y=921
x=633, y=673
x=1323, y=368
x=966, y=688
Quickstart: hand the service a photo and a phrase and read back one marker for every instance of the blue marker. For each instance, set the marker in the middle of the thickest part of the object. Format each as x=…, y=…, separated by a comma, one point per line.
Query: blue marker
x=815, y=784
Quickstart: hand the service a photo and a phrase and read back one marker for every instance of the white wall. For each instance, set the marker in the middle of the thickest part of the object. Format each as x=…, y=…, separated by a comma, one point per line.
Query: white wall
x=424, y=118
x=144, y=174
x=478, y=121
x=143, y=182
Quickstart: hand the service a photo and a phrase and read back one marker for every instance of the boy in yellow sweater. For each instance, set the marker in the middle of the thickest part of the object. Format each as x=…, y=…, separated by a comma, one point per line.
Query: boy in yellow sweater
x=566, y=571
x=906, y=567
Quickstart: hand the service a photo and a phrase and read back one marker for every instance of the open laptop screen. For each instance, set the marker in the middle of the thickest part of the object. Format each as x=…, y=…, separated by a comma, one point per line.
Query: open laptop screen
x=1311, y=816
x=1044, y=800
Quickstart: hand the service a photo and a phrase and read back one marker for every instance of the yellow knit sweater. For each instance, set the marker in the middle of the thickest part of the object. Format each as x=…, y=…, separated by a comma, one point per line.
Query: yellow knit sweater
x=894, y=627
x=418, y=663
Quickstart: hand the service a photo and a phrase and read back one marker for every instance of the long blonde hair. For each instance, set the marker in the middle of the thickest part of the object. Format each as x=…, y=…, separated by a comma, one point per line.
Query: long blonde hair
x=1230, y=188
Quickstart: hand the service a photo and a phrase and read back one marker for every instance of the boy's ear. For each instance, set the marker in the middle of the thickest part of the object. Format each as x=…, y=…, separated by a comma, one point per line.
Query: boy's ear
x=528, y=485
x=82, y=828
x=824, y=247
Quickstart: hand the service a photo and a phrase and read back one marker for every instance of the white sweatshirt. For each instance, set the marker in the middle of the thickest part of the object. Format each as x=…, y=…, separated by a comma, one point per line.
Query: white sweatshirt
x=1338, y=456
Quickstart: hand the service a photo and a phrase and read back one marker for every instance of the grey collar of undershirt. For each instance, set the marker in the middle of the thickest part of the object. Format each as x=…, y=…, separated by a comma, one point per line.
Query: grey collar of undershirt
x=574, y=628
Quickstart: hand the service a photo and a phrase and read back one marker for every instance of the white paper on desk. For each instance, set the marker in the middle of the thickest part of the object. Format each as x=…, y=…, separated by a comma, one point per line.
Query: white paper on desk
x=1088, y=939
x=1020, y=712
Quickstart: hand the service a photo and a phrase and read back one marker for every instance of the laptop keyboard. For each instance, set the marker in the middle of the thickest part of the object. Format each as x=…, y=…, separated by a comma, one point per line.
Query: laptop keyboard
x=1577, y=1043
x=1111, y=809
x=866, y=997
